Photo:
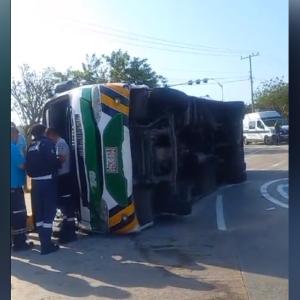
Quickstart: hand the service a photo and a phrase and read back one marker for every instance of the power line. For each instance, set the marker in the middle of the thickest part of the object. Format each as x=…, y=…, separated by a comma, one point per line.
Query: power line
x=251, y=77
x=161, y=42
x=148, y=46
x=155, y=38
x=164, y=69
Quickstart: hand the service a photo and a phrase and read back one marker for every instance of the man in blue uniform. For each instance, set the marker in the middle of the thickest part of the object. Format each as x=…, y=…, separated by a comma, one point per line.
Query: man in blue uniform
x=42, y=165
x=18, y=208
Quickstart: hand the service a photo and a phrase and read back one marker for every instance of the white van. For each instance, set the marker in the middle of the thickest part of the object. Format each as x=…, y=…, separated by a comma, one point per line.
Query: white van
x=259, y=127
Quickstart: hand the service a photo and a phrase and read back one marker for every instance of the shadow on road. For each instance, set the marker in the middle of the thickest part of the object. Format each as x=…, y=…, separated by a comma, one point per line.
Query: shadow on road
x=102, y=267
x=106, y=266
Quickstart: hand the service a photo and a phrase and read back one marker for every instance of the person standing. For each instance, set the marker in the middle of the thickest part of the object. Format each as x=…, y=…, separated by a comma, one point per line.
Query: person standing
x=21, y=141
x=65, y=200
x=277, y=132
x=42, y=166
x=18, y=207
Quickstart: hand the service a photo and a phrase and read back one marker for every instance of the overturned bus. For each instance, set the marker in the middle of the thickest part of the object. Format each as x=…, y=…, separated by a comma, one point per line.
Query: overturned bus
x=137, y=152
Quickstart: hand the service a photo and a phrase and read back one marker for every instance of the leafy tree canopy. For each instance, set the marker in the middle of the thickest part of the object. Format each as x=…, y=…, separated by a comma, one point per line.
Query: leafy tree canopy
x=273, y=95
x=30, y=93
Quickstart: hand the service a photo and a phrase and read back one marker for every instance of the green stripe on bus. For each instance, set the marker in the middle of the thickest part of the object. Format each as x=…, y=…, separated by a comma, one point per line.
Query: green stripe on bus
x=93, y=162
x=116, y=182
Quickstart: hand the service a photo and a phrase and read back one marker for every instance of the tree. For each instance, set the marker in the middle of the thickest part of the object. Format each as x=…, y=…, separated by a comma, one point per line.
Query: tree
x=248, y=108
x=116, y=67
x=118, y=63
x=273, y=95
x=30, y=93
x=93, y=71
x=123, y=68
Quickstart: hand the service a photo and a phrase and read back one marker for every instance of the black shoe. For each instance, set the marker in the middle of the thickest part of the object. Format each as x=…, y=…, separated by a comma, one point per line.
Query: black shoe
x=49, y=249
x=23, y=247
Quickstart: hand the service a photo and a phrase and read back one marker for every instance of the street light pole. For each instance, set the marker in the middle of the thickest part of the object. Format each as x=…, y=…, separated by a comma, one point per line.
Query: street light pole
x=221, y=86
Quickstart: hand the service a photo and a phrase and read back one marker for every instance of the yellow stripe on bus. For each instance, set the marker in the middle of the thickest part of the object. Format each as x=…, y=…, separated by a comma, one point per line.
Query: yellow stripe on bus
x=116, y=106
x=117, y=218
x=118, y=88
x=130, y=227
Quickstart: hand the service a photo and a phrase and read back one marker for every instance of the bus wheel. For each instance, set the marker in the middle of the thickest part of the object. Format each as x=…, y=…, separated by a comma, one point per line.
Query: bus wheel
x=245, y=141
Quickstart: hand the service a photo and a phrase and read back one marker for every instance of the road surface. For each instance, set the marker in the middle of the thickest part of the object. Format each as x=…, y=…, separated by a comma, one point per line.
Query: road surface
x=233, y=246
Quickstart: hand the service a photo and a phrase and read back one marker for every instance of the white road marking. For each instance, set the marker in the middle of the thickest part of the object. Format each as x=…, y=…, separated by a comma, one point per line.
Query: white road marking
x=280, y=189
x=271, y=208
x=279, y=164
x=266, y=195
x=220, y=213
x=276, y=165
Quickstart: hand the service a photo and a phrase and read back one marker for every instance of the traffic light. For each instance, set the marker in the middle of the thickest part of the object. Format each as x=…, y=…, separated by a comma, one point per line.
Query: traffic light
x=197, y=81
x=205, y=80
x=190, y=82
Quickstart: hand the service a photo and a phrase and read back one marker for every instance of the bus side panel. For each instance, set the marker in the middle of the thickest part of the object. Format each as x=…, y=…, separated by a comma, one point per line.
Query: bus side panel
x=116, y=160
x=93, y=166
x=79, y=145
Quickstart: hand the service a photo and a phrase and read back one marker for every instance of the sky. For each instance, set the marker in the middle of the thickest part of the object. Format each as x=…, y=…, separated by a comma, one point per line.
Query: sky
x=182, y=40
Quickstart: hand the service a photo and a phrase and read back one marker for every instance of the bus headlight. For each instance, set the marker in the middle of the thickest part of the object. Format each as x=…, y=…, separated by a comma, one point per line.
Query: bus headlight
x=96, y=104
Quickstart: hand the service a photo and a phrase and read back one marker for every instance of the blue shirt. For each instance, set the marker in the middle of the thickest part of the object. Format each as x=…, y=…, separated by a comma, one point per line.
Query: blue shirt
x=17, y=175
x=21, y=144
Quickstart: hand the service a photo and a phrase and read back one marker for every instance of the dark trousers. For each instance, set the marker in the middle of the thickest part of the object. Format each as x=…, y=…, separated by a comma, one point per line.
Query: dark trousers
x=276, y=139
x=18, y=217
x=65, y=202
x=44, y=195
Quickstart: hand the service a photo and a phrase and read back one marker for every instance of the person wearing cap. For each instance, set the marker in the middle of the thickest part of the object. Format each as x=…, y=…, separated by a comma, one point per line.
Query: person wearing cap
x=18, y=207
x=65, y=195
x=42, y=166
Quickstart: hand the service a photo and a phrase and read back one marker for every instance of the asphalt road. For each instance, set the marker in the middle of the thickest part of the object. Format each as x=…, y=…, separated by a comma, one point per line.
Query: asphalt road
x=256, y=215
x=233, y=246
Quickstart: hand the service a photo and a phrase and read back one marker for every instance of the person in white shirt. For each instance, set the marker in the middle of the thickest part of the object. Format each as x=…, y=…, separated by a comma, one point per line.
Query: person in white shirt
x=65, y=199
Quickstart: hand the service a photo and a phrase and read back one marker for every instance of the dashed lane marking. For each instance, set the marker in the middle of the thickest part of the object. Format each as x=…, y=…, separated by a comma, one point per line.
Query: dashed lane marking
x=271, y=208
x=220, y=213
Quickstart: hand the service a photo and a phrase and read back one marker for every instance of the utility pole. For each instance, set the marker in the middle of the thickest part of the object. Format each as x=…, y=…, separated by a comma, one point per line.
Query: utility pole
x=251, y=77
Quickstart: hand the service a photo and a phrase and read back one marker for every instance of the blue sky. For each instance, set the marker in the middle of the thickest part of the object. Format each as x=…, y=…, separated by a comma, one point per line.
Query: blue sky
x=60, y=33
